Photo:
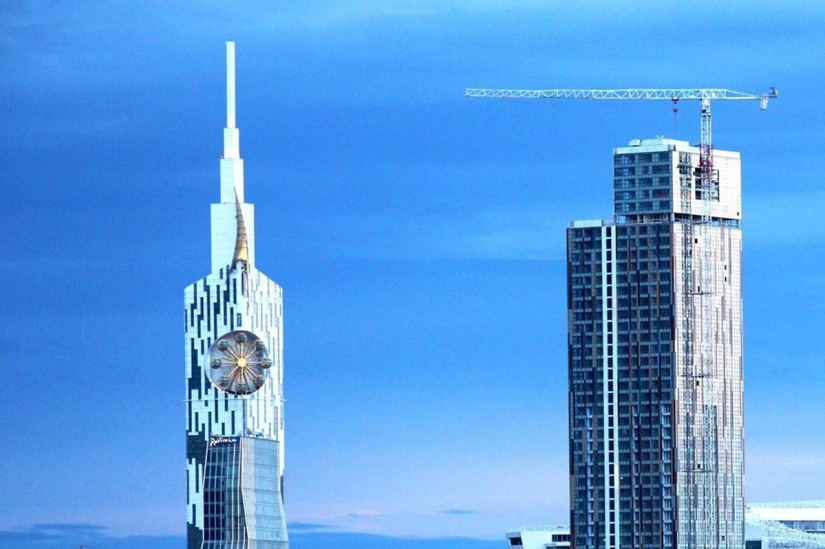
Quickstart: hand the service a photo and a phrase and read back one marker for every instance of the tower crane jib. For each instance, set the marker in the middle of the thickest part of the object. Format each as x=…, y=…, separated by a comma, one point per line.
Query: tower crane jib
x=668, y=94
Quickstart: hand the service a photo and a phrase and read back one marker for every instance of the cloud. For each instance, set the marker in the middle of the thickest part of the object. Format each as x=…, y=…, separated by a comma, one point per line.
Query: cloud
x=372, y=541
x=507, y=235
x=365, y=514
x=52, y=532
x=458, y=512
x=497, y=235
x=304, y=536
x=785, y=218
x=61, y=535
x=349, y=12
x=307, y=526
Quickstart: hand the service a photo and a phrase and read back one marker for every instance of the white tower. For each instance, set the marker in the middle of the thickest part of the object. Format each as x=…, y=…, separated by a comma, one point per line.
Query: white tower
x=234, y=376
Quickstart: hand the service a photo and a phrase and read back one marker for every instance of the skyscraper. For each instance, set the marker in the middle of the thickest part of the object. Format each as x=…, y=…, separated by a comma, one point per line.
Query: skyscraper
x=655, y=356
x=234, y=377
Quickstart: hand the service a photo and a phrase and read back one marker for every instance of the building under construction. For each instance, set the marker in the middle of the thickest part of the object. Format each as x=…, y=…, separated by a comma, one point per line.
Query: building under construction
x=655, y=354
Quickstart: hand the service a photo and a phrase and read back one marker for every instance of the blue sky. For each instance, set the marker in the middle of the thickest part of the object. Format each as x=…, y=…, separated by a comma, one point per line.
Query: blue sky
x=418, y=235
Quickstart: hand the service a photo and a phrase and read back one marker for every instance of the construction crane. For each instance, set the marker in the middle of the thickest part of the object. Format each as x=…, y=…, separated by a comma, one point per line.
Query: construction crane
x=675, y=95
x=699, y=468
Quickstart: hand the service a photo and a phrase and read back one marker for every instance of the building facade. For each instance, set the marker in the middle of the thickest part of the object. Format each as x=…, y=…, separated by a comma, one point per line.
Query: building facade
x=539, y=537
x=785, y=524
x=655, y=356
x=233, y=322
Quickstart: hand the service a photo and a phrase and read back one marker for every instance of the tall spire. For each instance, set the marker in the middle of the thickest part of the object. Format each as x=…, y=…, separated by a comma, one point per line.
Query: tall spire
x=231, y=163
x=233, y=220
x=230, y=84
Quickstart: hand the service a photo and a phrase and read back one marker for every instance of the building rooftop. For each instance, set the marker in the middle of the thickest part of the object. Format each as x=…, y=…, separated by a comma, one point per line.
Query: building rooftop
x=656, y=141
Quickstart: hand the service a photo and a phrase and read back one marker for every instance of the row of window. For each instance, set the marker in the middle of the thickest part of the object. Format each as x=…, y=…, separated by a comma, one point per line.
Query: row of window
x=623, y=195
x=590, y=286
x=623, y=290
x=626, y=260
x=624, y=362
x=646, y=206
x=651, y=310
x=581, y=378
x=631, y=158
x=623, y=256
x=653, y=422
x=632, y=183
x=625, y=171
x=593, y=234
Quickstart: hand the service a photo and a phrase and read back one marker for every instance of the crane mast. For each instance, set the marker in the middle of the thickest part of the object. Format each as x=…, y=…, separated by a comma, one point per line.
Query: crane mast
x=698, y=496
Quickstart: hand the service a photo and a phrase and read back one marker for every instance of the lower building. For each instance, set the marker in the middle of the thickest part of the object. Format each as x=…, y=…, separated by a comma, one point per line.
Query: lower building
x=539, y=537
x=242, y=502
x=785, y=524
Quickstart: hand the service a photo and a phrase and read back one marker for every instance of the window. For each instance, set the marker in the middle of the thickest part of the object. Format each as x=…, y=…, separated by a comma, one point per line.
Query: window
x=625, y=171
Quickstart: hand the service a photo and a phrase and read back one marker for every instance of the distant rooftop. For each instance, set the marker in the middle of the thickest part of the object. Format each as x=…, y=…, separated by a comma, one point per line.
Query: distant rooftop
x=787, y=511
x=656, y=141
x=555, y=528
x=590, y=223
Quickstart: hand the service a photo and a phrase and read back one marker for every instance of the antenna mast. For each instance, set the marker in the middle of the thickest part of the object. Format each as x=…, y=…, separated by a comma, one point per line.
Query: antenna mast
x=230, y=84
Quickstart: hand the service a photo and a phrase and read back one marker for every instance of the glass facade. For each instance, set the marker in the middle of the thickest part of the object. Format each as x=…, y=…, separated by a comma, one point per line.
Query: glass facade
x=630, y=419
x=622, y=384
x=242, y=495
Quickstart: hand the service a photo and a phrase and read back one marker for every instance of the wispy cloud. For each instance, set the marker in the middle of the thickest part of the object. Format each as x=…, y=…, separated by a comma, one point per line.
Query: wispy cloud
x=506, y=235
x=69, y=534
x=785, y=218
x=308, y=527
x=365, y=514
x=349, y=540
x=458, y=512
x=52, y=532
x=497, y=235
x=323, y=14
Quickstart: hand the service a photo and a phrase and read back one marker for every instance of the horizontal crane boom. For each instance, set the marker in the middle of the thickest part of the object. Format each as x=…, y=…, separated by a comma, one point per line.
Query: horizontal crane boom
x=629, y=93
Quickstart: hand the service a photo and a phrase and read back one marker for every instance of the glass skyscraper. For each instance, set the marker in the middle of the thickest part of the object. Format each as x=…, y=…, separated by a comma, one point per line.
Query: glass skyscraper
x=233, y=323
x=655, y=356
